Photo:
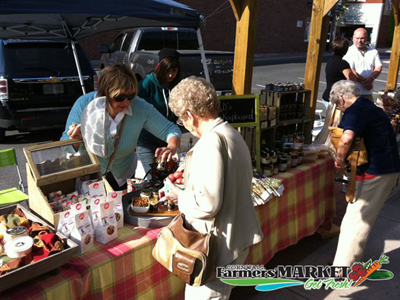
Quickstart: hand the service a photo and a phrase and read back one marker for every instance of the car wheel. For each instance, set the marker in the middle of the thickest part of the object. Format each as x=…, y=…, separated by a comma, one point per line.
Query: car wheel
x=2, y=134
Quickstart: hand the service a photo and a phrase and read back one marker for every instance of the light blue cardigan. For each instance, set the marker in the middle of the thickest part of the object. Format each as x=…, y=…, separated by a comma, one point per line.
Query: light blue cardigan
x=144, y=115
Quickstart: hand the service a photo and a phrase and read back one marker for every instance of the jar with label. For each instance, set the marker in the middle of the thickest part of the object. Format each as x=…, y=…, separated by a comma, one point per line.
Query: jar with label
x=295, y=157
x=299, y=157
x=275, y=168
x=287, y=148
x=274, y=157
x=289, y=161
x=298, y=142
x=282, y=163
x=265, y=158
x=268, y=170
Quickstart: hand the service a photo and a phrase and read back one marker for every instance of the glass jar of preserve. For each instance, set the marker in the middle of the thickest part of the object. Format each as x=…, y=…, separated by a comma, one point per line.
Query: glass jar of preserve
x=265, y=158
x=289, y=161
x=298, y=142
x=295, y=157
x=299, y=157
x=268, y=170
x=274, y=157
x=276, y=168
x=282, y=163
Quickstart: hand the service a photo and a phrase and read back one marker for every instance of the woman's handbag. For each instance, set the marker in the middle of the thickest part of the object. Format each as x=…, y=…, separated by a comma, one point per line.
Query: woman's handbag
x=357, y=156
x=186, y=253
x=357, y=146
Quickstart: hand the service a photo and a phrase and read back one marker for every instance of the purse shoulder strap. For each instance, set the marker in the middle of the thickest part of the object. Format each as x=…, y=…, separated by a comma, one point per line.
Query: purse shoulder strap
x=351, y=186
x=116, y=144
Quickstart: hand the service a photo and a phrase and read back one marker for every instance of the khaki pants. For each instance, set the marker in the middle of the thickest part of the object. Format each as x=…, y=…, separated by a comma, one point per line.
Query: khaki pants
x=214, y=289
x=360, y=216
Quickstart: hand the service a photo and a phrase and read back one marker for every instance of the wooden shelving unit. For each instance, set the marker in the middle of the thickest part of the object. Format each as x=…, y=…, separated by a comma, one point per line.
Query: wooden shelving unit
x=293, y=114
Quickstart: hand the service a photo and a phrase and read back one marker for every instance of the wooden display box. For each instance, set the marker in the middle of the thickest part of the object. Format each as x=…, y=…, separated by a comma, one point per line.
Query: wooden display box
x=57, y=174
x=40, y=267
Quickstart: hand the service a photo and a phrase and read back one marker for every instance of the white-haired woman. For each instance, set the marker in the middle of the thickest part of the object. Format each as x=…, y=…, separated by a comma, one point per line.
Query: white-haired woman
x=218, y=183
x=375, y=180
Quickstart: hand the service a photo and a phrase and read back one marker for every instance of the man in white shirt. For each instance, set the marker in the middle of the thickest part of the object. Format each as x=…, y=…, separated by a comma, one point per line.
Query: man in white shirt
x=364, y=62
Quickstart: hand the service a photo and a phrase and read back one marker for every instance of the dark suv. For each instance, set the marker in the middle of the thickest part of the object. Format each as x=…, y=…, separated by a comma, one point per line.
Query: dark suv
x=39, y=83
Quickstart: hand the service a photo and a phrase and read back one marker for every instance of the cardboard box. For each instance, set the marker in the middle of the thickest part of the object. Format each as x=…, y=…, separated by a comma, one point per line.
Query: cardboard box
x=40, y=267
x=56, y=174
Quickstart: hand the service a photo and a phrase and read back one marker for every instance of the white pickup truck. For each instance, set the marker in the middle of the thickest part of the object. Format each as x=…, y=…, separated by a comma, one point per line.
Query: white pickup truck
x=138, y=48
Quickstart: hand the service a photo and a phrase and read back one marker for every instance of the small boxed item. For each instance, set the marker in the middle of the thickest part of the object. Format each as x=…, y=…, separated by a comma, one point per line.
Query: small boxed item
x=19, y=244
x=106, y=229
x=271, y=113
x=263, y=113
x=82, y=232
x=58, y=168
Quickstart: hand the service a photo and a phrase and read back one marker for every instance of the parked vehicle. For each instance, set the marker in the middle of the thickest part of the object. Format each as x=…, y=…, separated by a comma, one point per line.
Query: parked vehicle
x=39, y=83
x=138, y=48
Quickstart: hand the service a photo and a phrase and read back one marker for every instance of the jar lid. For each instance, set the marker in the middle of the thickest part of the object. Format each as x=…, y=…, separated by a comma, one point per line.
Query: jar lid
x=19, y=246
x=17, y=230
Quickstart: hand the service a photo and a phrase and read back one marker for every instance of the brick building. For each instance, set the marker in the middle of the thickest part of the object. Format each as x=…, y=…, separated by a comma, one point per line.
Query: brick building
x=279, y=29
x=282, y=26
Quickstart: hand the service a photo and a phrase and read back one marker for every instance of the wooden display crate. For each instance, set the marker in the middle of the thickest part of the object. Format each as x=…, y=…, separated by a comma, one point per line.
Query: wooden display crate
x=53, y=177
x=40, y=267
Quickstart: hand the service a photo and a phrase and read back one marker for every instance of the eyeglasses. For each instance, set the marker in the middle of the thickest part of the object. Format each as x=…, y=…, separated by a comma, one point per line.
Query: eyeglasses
x=179, y=122
x=122, y=97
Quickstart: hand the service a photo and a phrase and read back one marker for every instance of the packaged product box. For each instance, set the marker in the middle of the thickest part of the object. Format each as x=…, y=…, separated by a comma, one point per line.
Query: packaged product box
x=82, y=232
x=106, y=230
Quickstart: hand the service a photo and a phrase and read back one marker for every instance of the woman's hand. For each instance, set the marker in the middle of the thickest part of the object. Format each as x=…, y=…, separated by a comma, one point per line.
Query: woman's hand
x=173, y=192
x=166, y=153
x=339, y=164
x=74, y=131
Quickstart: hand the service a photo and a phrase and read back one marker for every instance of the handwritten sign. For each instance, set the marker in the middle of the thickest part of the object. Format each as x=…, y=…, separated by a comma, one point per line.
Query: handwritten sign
x=239, y=109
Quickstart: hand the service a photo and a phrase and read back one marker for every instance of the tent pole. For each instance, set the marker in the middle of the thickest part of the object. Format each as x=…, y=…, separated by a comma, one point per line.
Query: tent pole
x=78, y=67
x=203, y=56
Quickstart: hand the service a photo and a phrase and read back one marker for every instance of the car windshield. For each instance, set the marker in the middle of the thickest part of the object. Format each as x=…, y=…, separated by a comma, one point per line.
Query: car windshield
x=43, y=59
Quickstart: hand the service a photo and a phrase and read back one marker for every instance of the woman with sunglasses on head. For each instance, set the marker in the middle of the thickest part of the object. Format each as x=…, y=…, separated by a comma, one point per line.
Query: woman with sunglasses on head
x=118, y=85
x=155, y=89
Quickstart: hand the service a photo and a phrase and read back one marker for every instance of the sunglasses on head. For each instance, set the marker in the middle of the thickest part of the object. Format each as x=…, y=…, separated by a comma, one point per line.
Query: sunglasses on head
x=122, y=97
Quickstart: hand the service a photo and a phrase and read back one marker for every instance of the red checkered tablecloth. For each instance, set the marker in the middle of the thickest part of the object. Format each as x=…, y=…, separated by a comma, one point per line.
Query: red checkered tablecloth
x=125, y=268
